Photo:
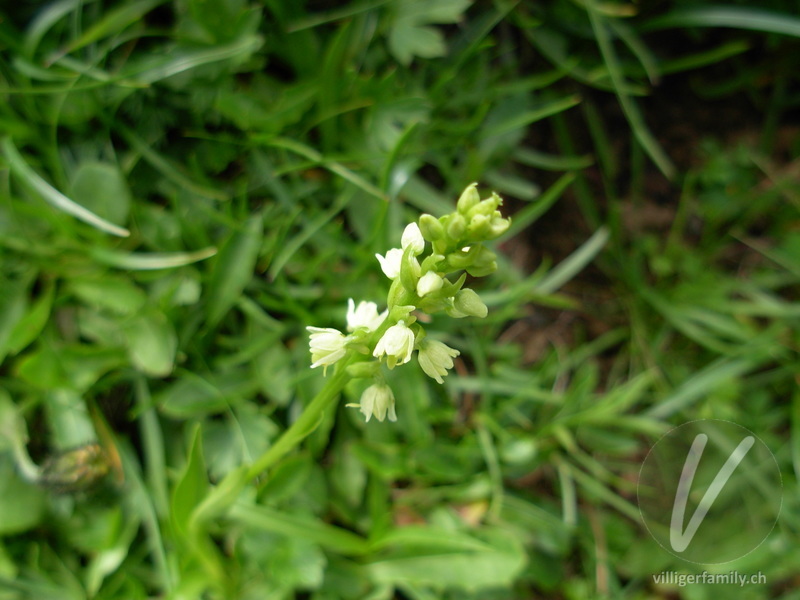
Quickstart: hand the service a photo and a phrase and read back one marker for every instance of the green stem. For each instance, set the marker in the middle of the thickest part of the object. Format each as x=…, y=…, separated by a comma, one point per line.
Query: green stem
x=305, y=424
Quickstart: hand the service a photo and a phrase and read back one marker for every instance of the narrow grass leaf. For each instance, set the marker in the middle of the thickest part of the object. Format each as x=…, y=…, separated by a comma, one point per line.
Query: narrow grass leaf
x=28, y=327
x=191, y=487
x=550, y=162
x=332, y=166
x=138, y=261
x=275, y=521
x=114, y=22
x=180, y=62
x=629, y=107
x=574, y=263
x=293, y=245
x=703, y=382
x=234, y=268
x=530, y=214
x=53, y=196
x=753, y=19
x=520, y=121
x=166, y=167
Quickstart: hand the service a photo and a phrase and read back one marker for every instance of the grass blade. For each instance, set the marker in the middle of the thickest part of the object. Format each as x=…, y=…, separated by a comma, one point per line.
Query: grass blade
x=53, y=196
x=149, y=262
x=573, y=264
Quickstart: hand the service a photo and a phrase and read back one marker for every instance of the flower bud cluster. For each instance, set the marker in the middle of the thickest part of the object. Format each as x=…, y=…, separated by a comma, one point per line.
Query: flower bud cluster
x=419, y=283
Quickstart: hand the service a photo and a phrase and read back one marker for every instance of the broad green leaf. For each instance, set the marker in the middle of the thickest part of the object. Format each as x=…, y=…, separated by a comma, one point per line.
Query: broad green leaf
x=194, y=396
x=407, y=40
x=151, y=343
x=497, y=567
x=411, y=34
x=68, y=418
x=21, y=503
x=101, y=189
x=116, y=294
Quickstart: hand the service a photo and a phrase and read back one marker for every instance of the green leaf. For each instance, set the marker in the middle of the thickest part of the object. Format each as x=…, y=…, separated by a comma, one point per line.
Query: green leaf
x=114, y=22
x=53, y=196
x=141, y=261
x=12, y=309
x=100, y=188
x=193, y=396
x=728, y=16
x=21, y=503
x=408, y=40
x=496, y=567
x=410, y=34
x=30, y=325
x=151, y=343
x=234, y=268
x=116, y=294
x=191, y=487
x=274, y=521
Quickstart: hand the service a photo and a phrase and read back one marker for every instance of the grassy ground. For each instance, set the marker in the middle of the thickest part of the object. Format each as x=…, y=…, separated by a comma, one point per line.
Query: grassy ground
x=184, y=186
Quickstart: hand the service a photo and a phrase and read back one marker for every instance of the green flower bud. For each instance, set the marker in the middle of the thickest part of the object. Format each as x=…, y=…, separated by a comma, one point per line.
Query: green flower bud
x=485, y=207
x=469, y=303
x=469, y=198
x=485, y=263
x=478, y=228
x=456, y=227
x=498, y=225
x=482, y=271
x=431, y=228
x=460, y=259
x=483, y=256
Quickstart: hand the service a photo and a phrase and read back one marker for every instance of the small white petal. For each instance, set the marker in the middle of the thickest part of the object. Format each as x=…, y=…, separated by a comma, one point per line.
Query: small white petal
x=378, y=401
x=327, y=345
x=365, y=315
x=430, y=282
x=397, y=344
x=412, y=236
x=390, y=264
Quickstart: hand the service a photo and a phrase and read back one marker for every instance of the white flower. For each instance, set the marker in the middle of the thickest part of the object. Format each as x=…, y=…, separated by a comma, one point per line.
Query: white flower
x=365, y=315
x=412, y=236
x=390, y=264
x=377, y=400
x=430, y=282
x=397, y=344
x=436, y=358
x=327, y=345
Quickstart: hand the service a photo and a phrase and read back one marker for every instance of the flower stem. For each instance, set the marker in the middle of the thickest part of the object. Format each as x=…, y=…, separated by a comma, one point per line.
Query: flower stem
x=305, y=424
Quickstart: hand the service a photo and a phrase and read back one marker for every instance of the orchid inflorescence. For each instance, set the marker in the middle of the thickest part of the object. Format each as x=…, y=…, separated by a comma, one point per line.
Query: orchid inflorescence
x=419, y=283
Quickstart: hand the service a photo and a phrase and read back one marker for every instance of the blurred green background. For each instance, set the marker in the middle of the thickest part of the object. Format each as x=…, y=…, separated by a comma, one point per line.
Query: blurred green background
x=185, y=185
